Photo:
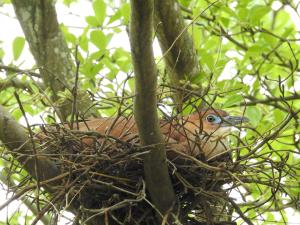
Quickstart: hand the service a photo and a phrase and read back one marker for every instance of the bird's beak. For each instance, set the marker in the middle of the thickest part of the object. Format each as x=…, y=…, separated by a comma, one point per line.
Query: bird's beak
x=233, y=120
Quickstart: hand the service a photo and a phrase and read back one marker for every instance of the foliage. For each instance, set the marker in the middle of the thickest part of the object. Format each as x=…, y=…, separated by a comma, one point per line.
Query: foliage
x=249, y=54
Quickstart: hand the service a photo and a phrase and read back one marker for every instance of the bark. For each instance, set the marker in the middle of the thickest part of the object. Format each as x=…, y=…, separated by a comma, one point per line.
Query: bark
x=176, y=43
x=47, y=44
x=145, y=109
x=14, y=138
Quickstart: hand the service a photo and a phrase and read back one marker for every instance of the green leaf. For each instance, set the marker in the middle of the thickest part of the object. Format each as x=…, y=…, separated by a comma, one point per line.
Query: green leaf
x=109, y=111
x=243, y=14
x=269, y=39
x=185, y=3
x=90, y=69
x=69, y=2
x=278, y=116
x=33, y=87
x=254, y=114
x=17, y=114
x=122, y=59
x=28, y=109
x=97, y=55
x=116, y=16
x=18, y=46
x=112, y=74
x=282, y=20
x=256, y=50
x=92, y=20
x=125, y=9
x=197, y=36
x=99, y=7
x=131, y=84
x=99, y=39
x=69, y=36
x=233, y=100
x=207, y=59
x=122, y=12
x=257, y=12
x=1, y=53
x=84, y=43
x=224, y=21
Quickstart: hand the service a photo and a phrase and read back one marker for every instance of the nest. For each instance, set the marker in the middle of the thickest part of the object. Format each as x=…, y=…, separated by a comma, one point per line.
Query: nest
x=105, y=180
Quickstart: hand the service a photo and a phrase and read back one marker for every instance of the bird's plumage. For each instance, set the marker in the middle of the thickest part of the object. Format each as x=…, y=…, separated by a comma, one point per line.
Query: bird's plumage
x=202, y=132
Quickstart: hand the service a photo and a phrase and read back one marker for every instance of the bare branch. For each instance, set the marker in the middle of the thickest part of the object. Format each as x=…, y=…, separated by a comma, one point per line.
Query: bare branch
x=18, y=71
x=8, y=181
x=19, y=84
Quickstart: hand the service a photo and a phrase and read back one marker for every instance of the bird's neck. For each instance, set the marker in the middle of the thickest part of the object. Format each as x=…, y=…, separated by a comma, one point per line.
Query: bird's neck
x=211, y=143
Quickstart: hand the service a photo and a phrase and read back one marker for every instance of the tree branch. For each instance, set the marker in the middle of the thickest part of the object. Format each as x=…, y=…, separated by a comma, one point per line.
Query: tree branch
x=155, y=164
x=14, y=137
x=177, y=45
x=19, y=84
x=8, y=181
x=268, y=100
x=12, y=69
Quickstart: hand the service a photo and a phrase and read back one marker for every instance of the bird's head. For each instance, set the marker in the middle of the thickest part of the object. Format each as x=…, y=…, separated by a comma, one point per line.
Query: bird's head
x=213, y=122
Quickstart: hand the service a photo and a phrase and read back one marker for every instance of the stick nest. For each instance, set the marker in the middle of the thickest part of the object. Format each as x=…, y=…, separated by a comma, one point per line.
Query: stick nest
x=105, y=179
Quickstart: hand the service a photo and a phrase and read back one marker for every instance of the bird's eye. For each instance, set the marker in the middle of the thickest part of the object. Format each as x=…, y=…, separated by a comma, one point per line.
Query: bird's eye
x=213, y=119
x=210, y=118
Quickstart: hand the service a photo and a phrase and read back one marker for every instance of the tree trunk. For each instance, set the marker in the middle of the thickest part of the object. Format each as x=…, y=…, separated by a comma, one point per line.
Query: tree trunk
x=145, y=108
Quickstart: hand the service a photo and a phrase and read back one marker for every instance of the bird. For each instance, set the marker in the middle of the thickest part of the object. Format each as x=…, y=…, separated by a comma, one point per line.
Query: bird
x=203, y=132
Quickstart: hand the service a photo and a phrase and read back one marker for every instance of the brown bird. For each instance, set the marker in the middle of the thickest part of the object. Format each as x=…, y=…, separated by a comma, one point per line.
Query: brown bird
x=204, y=132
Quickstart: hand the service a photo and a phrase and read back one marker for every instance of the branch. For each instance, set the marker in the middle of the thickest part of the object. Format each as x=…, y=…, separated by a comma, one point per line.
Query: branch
x=12, y=69
x=8, y=181
x=14, y=137
x=19, y=84
x=145, y=111
x=268, y=100
x=181, y=59
x=177, y=45
x=272, y=101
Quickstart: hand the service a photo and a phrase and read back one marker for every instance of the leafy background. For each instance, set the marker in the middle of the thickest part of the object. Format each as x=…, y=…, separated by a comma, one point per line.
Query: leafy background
x=249, y=55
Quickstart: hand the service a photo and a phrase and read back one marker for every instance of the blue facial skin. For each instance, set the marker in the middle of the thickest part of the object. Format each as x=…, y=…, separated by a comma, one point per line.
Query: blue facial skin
x=227, y=120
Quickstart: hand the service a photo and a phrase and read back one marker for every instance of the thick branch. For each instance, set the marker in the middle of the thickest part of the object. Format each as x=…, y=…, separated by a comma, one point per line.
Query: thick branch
x=155, y=167
x=14, y=137
x=175, y=41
